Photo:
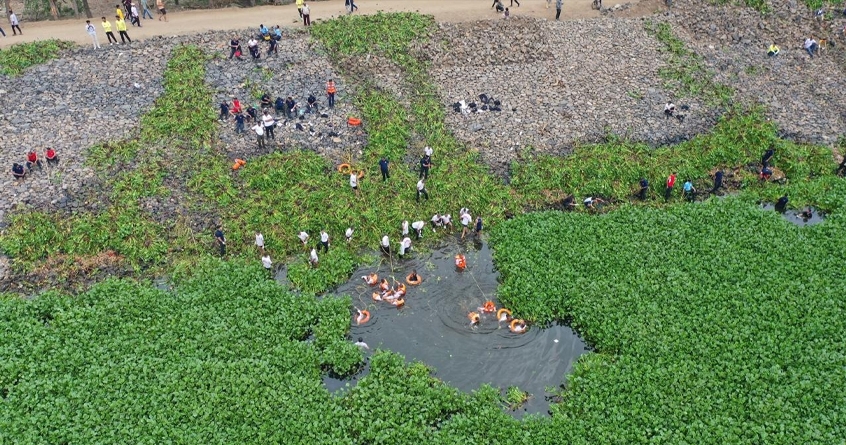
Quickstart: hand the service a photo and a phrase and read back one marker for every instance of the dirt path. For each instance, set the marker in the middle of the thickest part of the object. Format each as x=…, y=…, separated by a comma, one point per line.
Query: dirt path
x=195, y=21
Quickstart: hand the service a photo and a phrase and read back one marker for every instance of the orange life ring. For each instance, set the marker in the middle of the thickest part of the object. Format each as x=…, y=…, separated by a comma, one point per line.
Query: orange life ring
x=489, y=306
x=238, y=164
x=413, y=282
x=503, y=312
x=376, y=296
x=514, y=326
x=399, y=302
x=354, y=121
x=384, y=284
x=363, y=317
x=401, y=288
x=344, y=168
x=474, y=317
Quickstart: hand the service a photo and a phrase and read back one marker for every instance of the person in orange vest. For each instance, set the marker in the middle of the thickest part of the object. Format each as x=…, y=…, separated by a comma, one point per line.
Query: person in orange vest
x=671, y=182
x=460, y=261
x=330, y=92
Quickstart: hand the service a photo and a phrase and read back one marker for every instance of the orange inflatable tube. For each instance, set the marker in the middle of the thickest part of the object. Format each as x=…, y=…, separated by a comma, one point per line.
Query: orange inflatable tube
x=411, y=281
x=474, y=317
x=517, y=326
x=371, y=279
x=376, y=296
x=399, y=302
x=363, y=317
x=460, y=261
x=384, y=285
x=238, y=164
x=489, y=306
x=503, y=314
x=401, y=289
x=354, y=121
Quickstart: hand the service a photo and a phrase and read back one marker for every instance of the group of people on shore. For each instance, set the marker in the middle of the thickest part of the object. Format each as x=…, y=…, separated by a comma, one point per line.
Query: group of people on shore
x=128, y=10
x=21, y=169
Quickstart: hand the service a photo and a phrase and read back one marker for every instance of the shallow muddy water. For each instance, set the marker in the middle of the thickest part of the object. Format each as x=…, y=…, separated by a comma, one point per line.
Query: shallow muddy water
x=795, y=216
x=433, y=327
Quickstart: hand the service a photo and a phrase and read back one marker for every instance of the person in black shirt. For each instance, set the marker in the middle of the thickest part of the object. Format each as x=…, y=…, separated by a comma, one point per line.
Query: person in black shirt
x=767, y=157
x=235, y=48
x=569, y=203
x=253, y=113
x=644, y=186
x=781, y=205
x=425, y=164
x=18, y=171
x=280, y=105
x=239, y=123
x=312, y=103
x=266, y=101
x=718, y=181
x=290, y=106
x=841, y=168
x=224, y=111
x=220, y=239
x=383, y=166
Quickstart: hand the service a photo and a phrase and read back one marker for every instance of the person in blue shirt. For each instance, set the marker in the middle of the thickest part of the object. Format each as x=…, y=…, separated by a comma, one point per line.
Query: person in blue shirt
x=277, y=33
x=425, y=165
x=224, y=111
x=644, y=187
x=689, y=190
x=263, y=30
x=383, y=166
x=239, y=123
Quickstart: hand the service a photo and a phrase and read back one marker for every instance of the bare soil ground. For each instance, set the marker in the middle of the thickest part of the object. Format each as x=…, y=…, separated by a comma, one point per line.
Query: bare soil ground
x=196, y=21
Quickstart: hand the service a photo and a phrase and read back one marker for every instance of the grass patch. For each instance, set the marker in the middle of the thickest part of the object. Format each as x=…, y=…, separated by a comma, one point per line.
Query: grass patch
x=18, y=57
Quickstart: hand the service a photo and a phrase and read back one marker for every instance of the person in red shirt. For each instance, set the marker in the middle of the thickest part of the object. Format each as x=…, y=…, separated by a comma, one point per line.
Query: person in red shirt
x=671, y=182
x=32, y=159
x=52, y=157
x=236, y=106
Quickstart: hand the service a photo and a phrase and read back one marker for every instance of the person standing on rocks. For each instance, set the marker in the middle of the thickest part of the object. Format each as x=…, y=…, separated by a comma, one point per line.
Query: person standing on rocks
x=220, y=239
x=306, y=15
x=13, y=19
x=120, y=24
x=239, y=123
x=107, y=27
x=259, y=129
x=162, y=11
x=558, y=4
x=235, y=48
x=383, y=166
x=644, y=187
x=269, y=123
x=224, y=112
x=145, y=10
x=671, y=182
x=330, y=92
x=92, y=31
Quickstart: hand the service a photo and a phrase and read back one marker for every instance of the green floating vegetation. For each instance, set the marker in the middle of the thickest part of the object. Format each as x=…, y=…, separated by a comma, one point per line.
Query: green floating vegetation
x=613, y=169
x=717, y=322
x=18, y=57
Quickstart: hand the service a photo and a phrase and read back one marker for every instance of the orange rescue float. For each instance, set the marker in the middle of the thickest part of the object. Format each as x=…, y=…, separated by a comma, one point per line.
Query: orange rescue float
x=503, y=314
x=517, y=326
x=413, y=279
x=238, y=164
x=363, y=317
x=460, y=261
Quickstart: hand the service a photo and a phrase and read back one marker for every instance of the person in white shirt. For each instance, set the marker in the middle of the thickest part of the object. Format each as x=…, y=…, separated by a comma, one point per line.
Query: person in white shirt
x=428, y=151
x=446, y=221
x=259, y=129
x=465, y=221
x=303, y=237
x=436, y=222
x=13, y=19
x=312, y=257
x=361, y=344
x=404, y=230
x=306, y=15
x=92, y=31
x=324, y=240
x=811, y=46
x=267, y=263
x=354, y=182
x=269, y=124
x=133, y=16
x=348, y=234
x=669, y=109
x=418, y=227
x=260, y=241
x=405, y=246
x=385, y=245
x=421, y=190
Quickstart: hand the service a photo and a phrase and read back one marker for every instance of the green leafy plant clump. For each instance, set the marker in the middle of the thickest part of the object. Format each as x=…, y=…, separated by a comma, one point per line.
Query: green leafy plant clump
x=17, y=58
x=716, y=323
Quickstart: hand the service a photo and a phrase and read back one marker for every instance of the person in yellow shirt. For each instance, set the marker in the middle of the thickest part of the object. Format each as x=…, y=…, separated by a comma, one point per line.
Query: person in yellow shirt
x=119, y=12
x=121, y=27
x=300, y=4
x=108, y=28
x=773, y=50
